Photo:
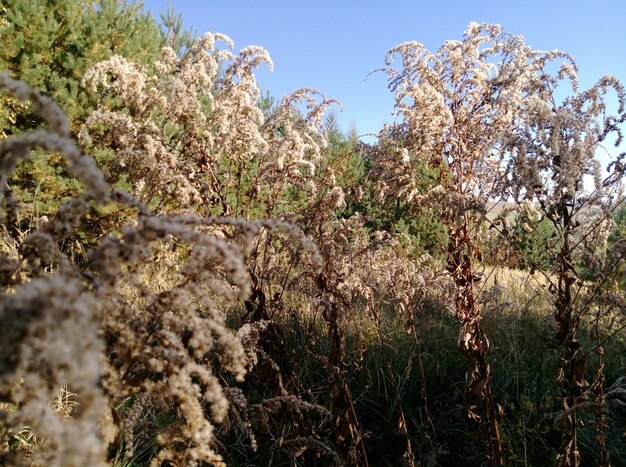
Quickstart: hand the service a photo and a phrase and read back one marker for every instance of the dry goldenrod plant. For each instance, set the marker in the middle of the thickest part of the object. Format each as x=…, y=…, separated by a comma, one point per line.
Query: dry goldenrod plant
x=189, y=140
x=193, y=139
x=453, y=106
x=60, y=319
x=551, y=153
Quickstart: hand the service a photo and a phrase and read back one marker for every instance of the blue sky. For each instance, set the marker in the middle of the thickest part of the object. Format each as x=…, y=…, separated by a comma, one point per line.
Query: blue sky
x=332, y=45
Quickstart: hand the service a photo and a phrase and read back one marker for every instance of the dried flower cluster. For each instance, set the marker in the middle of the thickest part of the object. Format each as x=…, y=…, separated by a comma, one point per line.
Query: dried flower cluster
x=192, y=136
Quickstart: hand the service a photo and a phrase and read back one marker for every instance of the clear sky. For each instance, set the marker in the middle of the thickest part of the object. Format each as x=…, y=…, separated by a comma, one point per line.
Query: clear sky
x=332, y=45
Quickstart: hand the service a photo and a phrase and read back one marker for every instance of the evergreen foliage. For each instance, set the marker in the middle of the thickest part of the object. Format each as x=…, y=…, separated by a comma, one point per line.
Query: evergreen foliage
x=531, y=241
x=49, y=44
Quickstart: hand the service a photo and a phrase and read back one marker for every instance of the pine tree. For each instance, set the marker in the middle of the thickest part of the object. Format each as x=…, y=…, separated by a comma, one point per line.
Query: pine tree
x=176, y=37
x=51, y=43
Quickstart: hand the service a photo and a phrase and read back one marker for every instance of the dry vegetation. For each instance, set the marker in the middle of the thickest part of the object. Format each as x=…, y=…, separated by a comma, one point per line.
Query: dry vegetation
x=219, y=287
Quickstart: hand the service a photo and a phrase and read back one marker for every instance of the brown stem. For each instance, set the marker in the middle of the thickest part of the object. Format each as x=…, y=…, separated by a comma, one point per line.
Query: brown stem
x=472, y=339
x=347, y=424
